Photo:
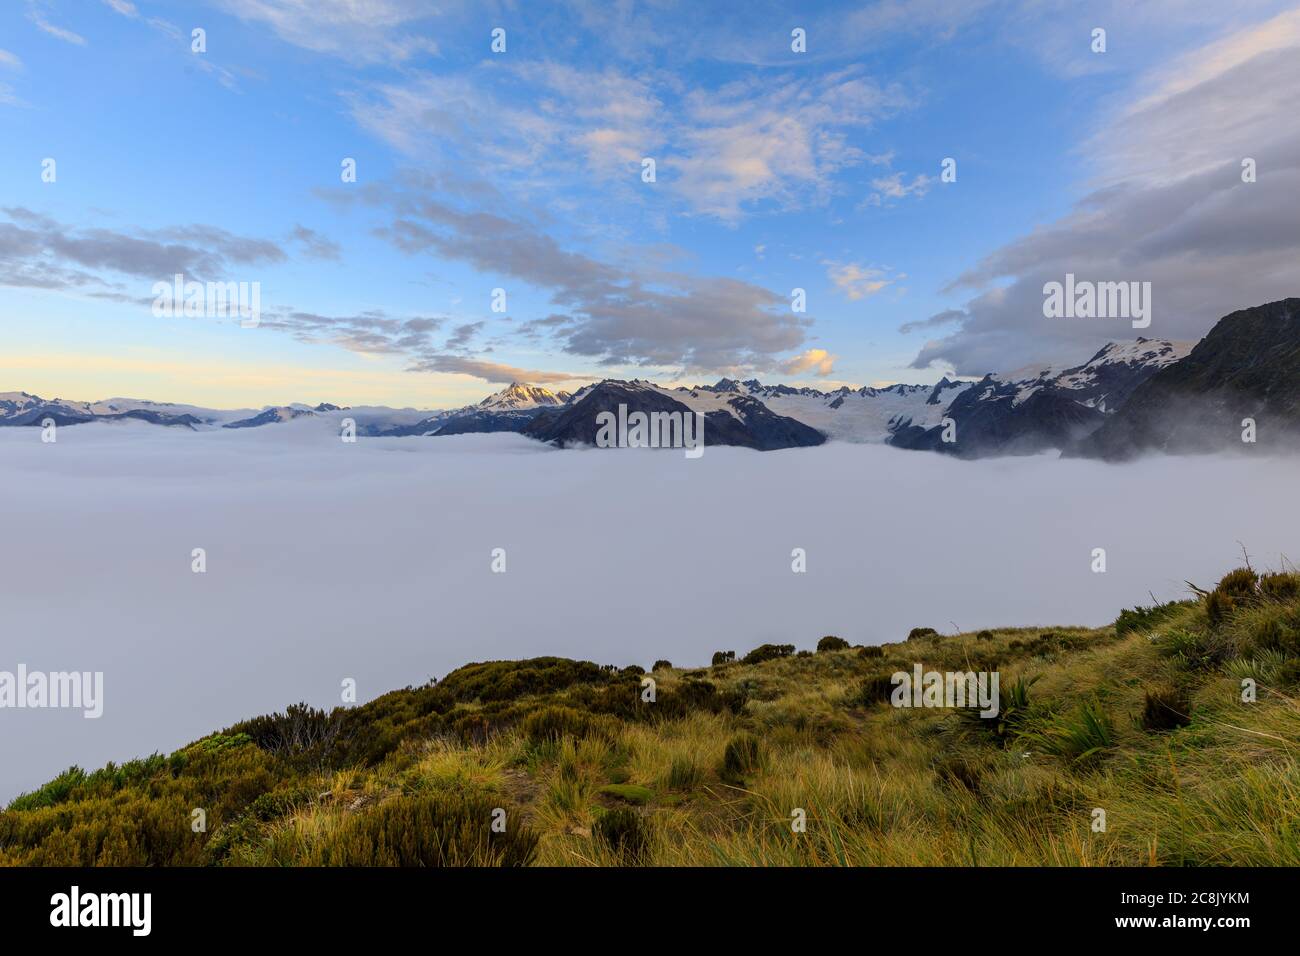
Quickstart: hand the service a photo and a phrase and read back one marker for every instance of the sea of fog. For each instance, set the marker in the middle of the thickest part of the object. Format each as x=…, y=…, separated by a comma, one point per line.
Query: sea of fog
x=373, y=560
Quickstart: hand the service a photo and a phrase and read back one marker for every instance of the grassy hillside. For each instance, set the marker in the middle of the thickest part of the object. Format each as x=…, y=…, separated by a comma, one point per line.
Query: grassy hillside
x=1144, y=720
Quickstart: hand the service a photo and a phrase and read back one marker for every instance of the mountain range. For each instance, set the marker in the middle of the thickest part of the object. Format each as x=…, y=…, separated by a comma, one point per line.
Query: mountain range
x=1127, y=399
x=1240, y=385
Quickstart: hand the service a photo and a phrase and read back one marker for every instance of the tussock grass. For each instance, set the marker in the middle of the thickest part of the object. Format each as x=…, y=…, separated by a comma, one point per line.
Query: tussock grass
x=777, y=758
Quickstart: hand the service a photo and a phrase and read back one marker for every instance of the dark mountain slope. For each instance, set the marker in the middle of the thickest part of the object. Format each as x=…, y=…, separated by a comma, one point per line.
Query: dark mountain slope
x=752, y=426
x=1247, y=367
x=990, y=421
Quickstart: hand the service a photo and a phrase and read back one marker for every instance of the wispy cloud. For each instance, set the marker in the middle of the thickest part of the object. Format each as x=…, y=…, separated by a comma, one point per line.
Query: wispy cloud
x=314, y=245
x=39, y=252
x=203, y=62
x=818, y=361
x=632, y=313
x=35, y=14
x=373, y=332
x=494, y=372
x=124, y=7
x=894, y=187
x=363, y=31
x=720, y=152
x=939, y=319
x=462, y=335
x=1171, y=207
x=857, y=281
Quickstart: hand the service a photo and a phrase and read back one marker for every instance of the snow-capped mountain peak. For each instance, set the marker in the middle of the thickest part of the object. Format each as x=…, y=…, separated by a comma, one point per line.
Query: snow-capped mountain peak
x=1023, y=411
x=520, y=395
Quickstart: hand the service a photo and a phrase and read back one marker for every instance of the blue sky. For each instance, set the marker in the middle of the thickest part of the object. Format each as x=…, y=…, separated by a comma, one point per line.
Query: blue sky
x=522, y=170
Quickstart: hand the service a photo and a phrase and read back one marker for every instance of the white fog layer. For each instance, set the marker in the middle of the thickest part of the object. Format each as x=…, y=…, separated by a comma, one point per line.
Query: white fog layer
x=373, y=560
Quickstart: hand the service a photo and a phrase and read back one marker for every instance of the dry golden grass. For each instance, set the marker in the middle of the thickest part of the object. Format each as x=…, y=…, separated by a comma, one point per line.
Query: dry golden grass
x=840, y=781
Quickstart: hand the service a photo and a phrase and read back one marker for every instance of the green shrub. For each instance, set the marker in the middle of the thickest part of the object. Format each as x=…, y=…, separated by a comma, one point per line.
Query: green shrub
x=871, y=651
x=831, y=643
x=52, y=793
x=1218, y=608
x=1013, y=711
x=113, y=777
x=1146, y=619
x=984, y=636
x=768, y=652
x=1165, y=708
x=742, y=757
x=662, y=666
x=1080, y=738
x=1242, y=583
x=1280, y=587
x=430, y=829
x=876, y=689
x=691, y=696
x=1276, y=632
x=510, y=680
x=625, y=832
x=1263, y=666
x=471, y=728
x=301, y=731
x=921, y=633
x=279, y=803
x=723, y=657
x=1288, y=675
x=1195, y=648
x=550, y=724
x=1237, y=589
x=1270, y=634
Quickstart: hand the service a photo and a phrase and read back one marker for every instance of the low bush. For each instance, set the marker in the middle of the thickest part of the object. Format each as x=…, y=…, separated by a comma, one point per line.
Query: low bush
x=1081, y=738
x=279, y=803
x=831, y=643
x=1237, y=589
x=1146, y=619
x=508, y=680
x=553, y=723
x=1165, y=708
x=429, y=829
x=1280, y=587
x=768, y=652
x=876, y=689
x=1013, y=711
x=625, y=833
x=52, y=793
x=742, y=757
